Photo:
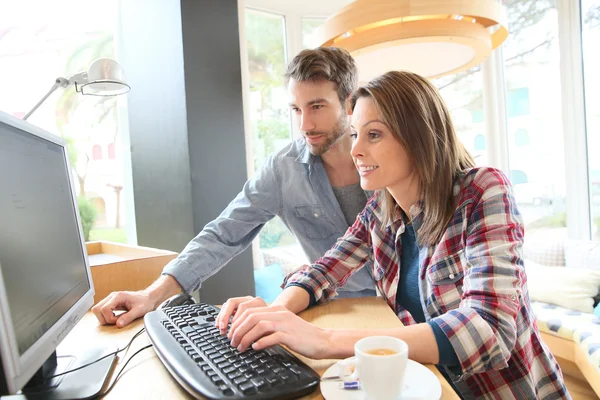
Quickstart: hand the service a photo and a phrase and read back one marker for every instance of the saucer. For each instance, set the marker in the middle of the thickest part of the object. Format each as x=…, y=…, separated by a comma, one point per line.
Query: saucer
x=419, y=383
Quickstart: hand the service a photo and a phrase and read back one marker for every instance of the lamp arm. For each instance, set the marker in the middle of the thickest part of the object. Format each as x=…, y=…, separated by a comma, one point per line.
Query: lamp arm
x=60, y=82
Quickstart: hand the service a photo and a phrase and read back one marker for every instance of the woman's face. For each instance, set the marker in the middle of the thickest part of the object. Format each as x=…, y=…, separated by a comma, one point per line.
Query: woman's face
x=378, y=155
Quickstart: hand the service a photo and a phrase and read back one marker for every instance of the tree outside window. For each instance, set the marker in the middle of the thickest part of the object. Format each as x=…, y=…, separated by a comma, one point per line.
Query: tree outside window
x=270, y=119
x=35, y=49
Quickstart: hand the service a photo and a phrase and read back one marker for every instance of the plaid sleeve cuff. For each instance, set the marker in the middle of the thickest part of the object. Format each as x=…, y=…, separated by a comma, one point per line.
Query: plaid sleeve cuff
x=447, y=354
x=311, y=279
x=477, y=346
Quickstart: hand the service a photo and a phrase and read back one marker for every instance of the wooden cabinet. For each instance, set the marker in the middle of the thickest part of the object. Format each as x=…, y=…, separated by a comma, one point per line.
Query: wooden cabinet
x=118, y=266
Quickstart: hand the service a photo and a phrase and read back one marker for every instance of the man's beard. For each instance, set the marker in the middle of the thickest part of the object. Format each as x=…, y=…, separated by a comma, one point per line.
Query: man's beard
x=331, y=138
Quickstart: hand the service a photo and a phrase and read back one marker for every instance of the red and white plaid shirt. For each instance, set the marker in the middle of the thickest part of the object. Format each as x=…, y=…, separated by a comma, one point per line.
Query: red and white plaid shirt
x=472, y=283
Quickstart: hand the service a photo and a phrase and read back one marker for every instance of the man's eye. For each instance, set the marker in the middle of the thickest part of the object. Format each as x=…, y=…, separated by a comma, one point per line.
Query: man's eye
x=317, y=107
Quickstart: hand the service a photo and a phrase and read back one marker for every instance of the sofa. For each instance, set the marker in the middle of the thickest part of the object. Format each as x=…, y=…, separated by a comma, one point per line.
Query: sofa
x=563, y=280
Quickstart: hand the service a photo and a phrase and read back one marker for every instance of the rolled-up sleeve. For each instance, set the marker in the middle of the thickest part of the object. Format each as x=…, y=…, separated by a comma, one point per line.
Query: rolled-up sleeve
x=232, y=231
x=483, y=329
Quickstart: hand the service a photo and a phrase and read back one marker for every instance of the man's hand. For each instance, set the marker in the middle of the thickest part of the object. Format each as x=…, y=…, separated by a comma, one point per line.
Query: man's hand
x=234, y=307
x=137, y=304
x=267, y=326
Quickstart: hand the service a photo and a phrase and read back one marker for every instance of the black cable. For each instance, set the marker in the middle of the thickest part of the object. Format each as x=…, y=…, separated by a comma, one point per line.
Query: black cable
x=112, y=385
x=100, y=359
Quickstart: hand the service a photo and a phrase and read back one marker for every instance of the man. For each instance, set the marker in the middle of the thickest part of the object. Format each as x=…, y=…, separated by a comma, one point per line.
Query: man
x=311, y=184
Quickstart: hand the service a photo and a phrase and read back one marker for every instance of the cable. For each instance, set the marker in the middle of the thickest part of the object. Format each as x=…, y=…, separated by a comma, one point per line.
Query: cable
x=112, y=385
x=100, y=359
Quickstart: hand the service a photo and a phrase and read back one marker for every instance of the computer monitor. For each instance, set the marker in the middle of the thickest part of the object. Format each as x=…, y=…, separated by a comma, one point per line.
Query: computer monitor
x=45, y=281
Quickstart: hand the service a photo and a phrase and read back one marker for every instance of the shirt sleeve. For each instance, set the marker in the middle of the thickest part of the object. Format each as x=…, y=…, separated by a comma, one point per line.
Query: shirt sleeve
x=483, y=329
x=232, y=231
x=350, y=253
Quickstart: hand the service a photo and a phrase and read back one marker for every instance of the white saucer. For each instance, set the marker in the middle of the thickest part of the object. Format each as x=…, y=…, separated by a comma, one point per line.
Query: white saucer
x=419, y=383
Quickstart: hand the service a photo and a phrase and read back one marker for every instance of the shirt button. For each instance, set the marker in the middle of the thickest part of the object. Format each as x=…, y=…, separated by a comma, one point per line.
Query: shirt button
x=451, y=276
x=316, y=215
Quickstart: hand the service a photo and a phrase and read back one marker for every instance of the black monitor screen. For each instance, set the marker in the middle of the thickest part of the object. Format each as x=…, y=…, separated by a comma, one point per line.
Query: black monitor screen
x=41, y=255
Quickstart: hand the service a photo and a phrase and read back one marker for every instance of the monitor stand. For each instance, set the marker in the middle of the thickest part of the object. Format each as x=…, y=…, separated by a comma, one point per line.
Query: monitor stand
x=85, y=383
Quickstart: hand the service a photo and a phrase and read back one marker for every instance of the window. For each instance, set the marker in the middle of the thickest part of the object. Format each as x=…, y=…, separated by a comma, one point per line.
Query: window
x=463, y=94
x=533, y=107
x=310, y=32
x=53, y=41
x=269, y=115
x=590, y=18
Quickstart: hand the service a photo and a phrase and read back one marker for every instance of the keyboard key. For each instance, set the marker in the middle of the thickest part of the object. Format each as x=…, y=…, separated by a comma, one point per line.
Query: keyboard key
x=239, y=380
x=259, y=382
x=272, y=379
x=295, y=370
x=234, y=375
x=226, y=390
x=228, y=370
x=247, y=388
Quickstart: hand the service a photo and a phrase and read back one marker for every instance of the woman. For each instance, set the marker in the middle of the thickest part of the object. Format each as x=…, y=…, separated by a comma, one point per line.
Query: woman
x=445, y=239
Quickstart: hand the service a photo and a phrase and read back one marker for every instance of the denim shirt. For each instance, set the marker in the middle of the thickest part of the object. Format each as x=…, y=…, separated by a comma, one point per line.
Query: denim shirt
x=291, y=184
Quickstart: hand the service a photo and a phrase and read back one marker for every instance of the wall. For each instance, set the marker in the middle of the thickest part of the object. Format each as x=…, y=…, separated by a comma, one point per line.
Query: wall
x=215, y=123
x=186, y=125
x=153, y=62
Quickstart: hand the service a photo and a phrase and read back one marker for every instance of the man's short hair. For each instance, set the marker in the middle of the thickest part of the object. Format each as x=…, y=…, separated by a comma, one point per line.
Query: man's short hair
x=330, y=63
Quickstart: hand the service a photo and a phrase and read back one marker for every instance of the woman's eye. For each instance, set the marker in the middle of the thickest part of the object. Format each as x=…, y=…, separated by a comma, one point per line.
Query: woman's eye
x=353, y=135
x=374, y=135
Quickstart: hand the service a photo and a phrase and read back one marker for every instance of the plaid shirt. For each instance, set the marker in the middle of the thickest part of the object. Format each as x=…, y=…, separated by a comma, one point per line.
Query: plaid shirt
x=472, y=283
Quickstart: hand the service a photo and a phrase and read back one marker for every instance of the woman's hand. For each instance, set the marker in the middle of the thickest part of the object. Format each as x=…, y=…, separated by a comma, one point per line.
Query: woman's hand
x=234, y=307
x=267, y=326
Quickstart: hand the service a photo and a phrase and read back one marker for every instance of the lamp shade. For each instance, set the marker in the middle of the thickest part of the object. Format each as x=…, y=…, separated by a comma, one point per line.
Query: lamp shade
x=105, y=77
x=429, y=37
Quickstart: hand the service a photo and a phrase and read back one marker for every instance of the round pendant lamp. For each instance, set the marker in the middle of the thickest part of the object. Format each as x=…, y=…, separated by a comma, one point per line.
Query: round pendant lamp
x=429, y=37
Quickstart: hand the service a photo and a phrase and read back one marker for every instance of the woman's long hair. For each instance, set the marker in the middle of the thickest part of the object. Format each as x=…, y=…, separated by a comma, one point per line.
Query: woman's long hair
x=415, y=112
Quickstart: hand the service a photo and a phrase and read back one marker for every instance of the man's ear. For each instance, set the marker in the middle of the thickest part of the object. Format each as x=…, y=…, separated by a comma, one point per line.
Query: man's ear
x=348, y=105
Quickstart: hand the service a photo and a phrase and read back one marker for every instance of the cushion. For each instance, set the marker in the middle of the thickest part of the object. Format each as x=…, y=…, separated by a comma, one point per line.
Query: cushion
x=566, y=287
x=560, y=321
x=588, y=339
x=267, y=281
x=545, y=252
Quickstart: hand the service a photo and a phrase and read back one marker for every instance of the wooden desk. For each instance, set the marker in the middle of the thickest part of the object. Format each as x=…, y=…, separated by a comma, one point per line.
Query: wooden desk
x=146, y=378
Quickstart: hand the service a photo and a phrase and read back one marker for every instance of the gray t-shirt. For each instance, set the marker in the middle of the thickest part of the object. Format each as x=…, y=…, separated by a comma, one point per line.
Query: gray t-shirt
x=352, y=200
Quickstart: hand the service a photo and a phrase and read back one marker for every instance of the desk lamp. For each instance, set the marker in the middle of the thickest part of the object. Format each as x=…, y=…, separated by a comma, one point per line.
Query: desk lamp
x=104, y=77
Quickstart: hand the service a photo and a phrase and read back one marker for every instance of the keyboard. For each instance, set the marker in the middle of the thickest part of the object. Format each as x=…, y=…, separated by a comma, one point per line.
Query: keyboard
x=202, y=360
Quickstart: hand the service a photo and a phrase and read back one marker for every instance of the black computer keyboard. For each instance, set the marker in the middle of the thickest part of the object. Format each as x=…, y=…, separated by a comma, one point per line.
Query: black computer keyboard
x=204, y=363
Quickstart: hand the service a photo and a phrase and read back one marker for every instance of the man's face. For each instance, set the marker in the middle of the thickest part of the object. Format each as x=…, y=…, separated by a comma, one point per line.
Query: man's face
x=317, y=111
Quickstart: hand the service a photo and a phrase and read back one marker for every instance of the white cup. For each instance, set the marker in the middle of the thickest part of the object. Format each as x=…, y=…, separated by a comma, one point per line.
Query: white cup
x=381, y=376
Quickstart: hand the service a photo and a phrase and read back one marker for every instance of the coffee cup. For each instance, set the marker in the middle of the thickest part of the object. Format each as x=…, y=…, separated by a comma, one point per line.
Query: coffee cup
x=379, y=364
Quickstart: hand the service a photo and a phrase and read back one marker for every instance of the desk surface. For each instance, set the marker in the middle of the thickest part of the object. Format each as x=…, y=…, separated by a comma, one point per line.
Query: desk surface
x=146, y=378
